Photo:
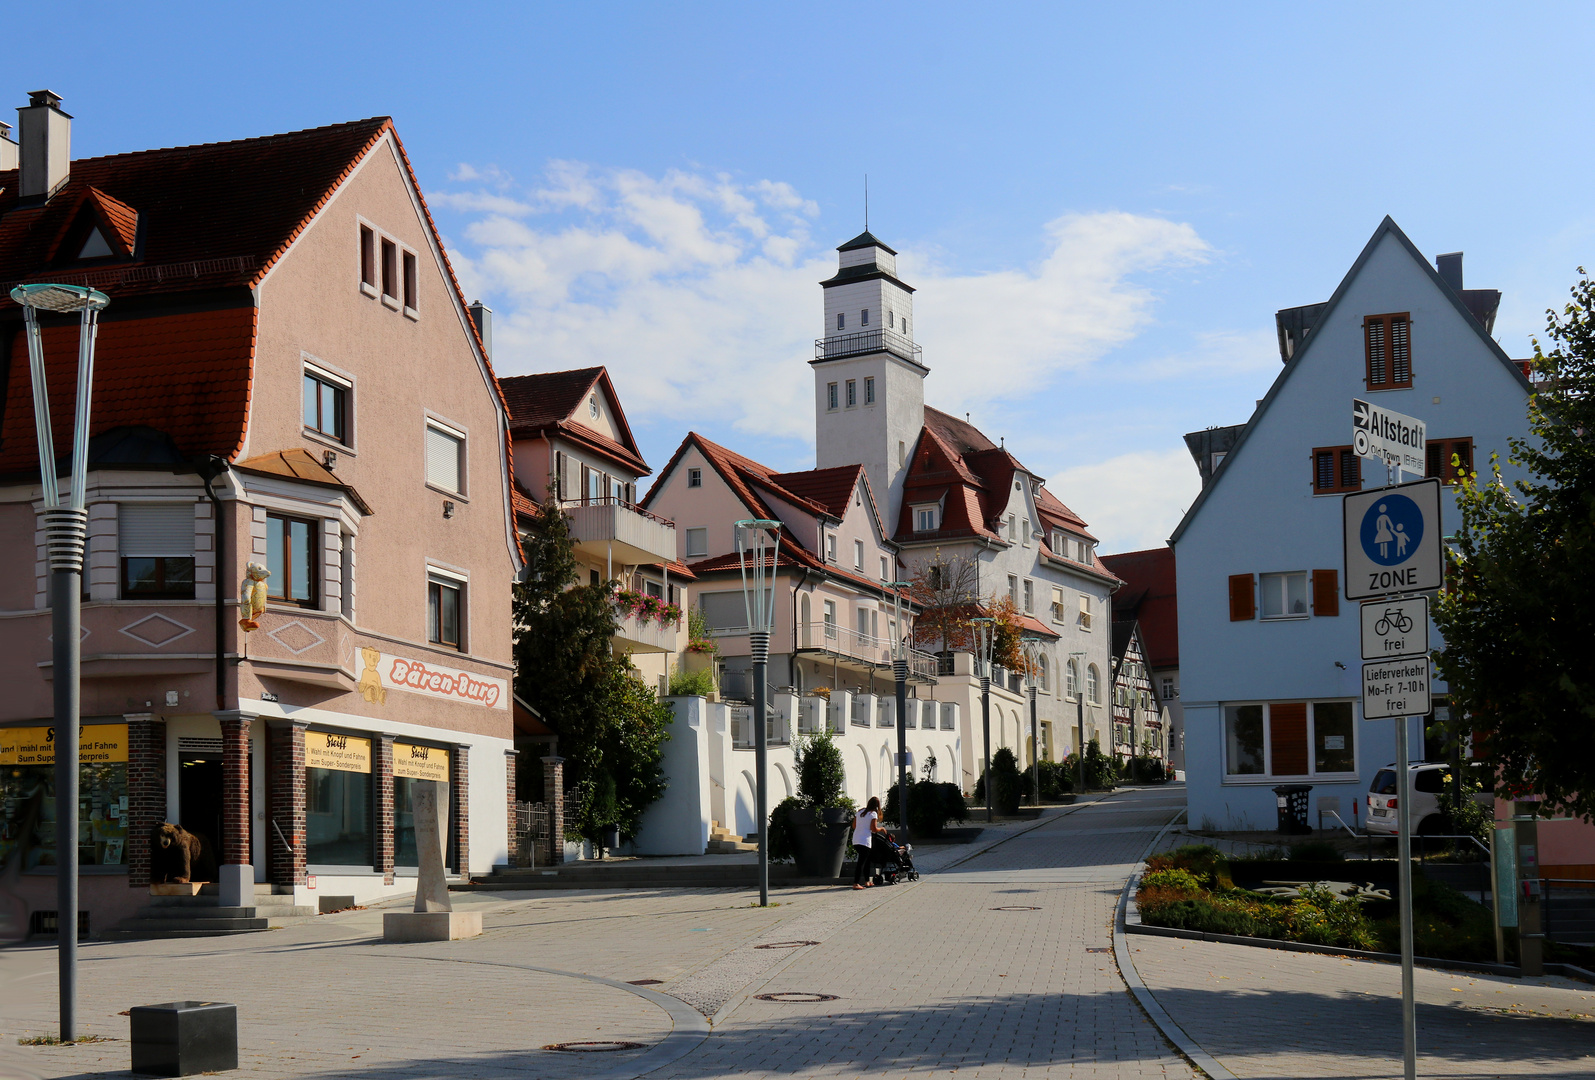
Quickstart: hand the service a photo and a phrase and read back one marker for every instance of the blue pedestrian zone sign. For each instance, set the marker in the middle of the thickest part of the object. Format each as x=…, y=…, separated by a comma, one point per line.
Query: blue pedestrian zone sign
x=1393, y=540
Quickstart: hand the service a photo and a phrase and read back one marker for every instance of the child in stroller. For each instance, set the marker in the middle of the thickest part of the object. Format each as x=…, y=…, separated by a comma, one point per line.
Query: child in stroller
x=892, y=860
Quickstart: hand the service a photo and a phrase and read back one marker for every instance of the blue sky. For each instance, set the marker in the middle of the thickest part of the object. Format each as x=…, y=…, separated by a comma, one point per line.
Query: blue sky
x=1103, y=205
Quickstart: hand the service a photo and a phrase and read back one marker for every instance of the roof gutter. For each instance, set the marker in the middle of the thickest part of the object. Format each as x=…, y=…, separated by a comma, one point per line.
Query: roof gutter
x=210, y=468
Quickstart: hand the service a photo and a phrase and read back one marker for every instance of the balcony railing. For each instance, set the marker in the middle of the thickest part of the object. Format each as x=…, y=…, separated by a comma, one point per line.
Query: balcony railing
x=777, y=732
x=868, y=341
x=842, y=643
x=613, y=526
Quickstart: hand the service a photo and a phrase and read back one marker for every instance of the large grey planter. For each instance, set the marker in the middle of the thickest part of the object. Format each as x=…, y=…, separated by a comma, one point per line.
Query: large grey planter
x=821, y=847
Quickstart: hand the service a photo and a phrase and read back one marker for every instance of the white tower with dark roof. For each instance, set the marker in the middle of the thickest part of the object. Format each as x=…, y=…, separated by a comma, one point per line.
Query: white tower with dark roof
x=869, y=392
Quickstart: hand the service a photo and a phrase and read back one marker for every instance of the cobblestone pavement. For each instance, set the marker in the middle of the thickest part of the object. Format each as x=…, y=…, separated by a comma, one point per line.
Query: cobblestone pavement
x=928, y=977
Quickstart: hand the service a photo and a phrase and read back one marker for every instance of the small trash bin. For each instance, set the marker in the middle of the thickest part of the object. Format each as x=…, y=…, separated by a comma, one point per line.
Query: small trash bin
x=1292, y=801
x=182, y=1038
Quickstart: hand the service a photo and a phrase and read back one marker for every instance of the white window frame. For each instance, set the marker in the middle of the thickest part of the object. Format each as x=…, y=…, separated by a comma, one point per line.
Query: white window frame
x=453, y=431
x=832, y=397
x=830, y=548
x=858, y=555
x=885, y=570
x=1084, y=620
x=934, y=510
x=1030, y=596
x=863, y=317
x=1093, y=685
x=828, y=615
x=317, y=368
x=1268, y=776
x=1058, y=610
x=852, y=394
x=1072, y=679
x=869, y=389
x=1281, y=578
x=459, y=580
x=695, y=478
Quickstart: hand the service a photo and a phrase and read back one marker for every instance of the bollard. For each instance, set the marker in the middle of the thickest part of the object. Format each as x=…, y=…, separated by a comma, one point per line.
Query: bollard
x=181, y=1038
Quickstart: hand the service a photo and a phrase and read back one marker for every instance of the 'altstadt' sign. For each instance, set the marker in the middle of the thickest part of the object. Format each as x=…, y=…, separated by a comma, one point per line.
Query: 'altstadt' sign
x=1389, y=436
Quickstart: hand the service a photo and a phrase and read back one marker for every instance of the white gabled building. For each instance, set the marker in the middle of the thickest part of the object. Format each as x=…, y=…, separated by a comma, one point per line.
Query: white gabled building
x=1269, y=646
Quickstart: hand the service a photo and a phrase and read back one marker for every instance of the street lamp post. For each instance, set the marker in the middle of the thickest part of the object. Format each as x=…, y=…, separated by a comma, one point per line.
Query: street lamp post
x=1032, y=647
x=1079, y=720
x=758, y=543
x=66, y=532
x=900, y=670
x=985, y=638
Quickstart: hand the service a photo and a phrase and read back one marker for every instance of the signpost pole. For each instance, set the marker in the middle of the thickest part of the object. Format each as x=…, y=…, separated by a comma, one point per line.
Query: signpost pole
x=1409, y=1020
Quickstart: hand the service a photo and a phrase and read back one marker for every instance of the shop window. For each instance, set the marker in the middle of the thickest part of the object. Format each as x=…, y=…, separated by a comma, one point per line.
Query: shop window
x=337, y=800
x=445, y=453
x=414, y=764
x=291, y=556
x=27, y=796
x=326, y=404
x=445, y=610
x=157, y=550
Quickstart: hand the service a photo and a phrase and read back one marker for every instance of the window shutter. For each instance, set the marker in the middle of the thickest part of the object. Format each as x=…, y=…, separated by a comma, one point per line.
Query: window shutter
x=1326, y=592
x=155, y=531
x=442, y=460
x=1463, y=449
x=1436, y=465
x=1242, y=603
x=1287, y=730
x=1400, y=352
x=559, y=474
x=1324, y=470
x=1378, y=369
x=1350, y=469
x=724, y=610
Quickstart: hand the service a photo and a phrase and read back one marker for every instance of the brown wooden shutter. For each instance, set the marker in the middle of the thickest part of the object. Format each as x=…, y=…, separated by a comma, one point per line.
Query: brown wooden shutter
x=1436, y=456
x=1324, y=470
x=1400, y=351
x=1242, y=604
x=1350, y=470
x=1326, y=592
x=1378, y=366
x=1287, y=732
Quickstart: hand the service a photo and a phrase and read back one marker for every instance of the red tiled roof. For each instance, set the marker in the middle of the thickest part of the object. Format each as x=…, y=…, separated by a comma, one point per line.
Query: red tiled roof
x=186, y=374
x=297, y=464
x=1036, y=626
x=1149, y=596
x=545, y=402
x=525, y=505
x=831, y=488
x=213, y=215
x=961, y=435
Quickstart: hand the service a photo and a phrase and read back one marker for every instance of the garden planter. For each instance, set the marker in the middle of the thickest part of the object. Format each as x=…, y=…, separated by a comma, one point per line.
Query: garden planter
x=821, y=847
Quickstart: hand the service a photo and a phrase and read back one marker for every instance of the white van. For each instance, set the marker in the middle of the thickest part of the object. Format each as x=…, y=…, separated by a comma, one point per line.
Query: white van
x=1425, y=781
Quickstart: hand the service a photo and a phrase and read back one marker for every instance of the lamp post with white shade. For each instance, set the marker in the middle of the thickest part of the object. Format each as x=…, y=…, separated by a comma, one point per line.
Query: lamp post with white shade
x=985, y=639
x=66, y=532
x=758, y=543
x=900, y=639
x=1032, y=647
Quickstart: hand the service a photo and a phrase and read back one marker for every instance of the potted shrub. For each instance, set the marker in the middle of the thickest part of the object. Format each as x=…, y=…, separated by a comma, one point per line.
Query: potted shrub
x=815, y=824
x=930, y=807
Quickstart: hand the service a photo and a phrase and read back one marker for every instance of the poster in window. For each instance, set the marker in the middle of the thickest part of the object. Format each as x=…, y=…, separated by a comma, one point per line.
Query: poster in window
x=343, y=753
x=420, y=762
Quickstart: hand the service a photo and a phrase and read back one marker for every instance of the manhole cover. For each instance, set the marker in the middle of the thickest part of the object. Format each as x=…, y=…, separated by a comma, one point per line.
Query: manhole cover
x=795, y=996
x=1016, y=907
x=1099, y=950
x=593, y=1047
x=786, y=944
x=646, y=982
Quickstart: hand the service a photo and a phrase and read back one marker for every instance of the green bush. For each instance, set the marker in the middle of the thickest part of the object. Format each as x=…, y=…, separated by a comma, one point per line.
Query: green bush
x=1101, y=771
x=684, y=683
x=1056, y=779
x=1009, y=785
x=1204, y=916
x=782, y=849
x=1172, y=878
x=1204, y=862
x=1147, y=770
x=821, y=783
x=1316, y=851
x=930, y=807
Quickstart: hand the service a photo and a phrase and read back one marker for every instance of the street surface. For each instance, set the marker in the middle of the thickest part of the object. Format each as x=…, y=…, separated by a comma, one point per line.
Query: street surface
x=998, y=963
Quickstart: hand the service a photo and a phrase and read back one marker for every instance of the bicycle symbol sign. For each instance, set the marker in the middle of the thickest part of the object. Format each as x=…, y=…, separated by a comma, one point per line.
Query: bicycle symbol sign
x=1392, y=629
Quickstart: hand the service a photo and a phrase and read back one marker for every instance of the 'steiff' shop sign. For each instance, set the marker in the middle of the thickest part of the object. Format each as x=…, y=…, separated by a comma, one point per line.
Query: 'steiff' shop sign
x=1392, y=540
x=1392, y=688
x=344, y=753
x=1391, y=437
x=97, y=744
x=419, y=762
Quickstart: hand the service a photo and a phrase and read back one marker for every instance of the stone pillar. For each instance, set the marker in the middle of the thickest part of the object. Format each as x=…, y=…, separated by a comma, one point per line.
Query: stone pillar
x=460, y=808
x=554, y=797
x=286, y=810
x=513, y=858
x=382, y=811
x=235, y=872
x=146, y=791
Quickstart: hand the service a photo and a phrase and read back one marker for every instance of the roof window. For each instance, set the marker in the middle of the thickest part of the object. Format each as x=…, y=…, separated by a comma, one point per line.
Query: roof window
x=95, y=246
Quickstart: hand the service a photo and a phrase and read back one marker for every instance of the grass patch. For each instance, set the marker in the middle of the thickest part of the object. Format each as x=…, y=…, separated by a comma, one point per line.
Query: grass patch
x=55, y=1040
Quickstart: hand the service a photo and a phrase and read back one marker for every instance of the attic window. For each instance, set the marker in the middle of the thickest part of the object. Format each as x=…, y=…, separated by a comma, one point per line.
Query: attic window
x=695, y=478
x=925, y=518
x=592, y=406
x=95, y=246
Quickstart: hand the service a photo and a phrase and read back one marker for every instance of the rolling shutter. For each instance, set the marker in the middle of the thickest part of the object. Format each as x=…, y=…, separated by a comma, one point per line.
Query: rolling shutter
x=154, y=531
x=1242, y=602
x=1326, y=592
x=442, y=459
x=1287, y=731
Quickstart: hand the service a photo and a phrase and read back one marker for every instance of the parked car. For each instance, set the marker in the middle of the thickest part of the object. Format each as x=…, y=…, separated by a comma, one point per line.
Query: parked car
x=1426, y=779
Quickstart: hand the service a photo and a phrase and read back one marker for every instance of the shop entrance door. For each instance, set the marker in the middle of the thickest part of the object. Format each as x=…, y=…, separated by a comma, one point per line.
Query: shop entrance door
x=199, y=795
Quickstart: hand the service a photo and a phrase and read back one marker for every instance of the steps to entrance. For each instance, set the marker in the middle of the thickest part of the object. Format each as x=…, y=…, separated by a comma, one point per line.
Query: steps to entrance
x=203, y=915
x=722, y=841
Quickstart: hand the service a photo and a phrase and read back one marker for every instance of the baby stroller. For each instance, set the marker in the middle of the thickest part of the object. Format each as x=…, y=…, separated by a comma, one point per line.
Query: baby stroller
x=891, y=860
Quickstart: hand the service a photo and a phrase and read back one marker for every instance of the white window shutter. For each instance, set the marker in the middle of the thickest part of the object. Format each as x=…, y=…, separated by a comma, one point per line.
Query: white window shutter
x=442, y=459
x=155, y=530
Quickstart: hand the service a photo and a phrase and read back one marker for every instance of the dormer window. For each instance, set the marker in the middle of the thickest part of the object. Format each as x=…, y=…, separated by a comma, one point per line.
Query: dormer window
x=95, y=247
x=592, y=406
x=925, y=518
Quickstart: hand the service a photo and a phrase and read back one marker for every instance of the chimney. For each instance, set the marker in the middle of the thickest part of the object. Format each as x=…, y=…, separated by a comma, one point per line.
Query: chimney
x=482, y=316
x=45, y=146
x=8, y=149
x=1450, y=268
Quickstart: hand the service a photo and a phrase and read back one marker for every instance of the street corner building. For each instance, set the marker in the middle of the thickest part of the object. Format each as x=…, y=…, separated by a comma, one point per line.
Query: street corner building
x=287, y=375
x=1269, y=646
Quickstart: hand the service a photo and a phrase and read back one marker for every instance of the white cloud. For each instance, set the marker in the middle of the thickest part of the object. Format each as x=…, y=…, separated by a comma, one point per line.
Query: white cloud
x=1132, y=501
x=700, y=293
x=1213, y=354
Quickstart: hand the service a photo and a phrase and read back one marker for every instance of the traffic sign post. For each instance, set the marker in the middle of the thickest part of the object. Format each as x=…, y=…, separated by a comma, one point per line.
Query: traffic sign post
x=1392, y=689
x=1395, y=628
x=1392, y=540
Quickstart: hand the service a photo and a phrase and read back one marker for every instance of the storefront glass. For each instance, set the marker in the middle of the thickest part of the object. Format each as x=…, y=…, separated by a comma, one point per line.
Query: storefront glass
x=337, y=800
x=27, y=796
x=412, y=764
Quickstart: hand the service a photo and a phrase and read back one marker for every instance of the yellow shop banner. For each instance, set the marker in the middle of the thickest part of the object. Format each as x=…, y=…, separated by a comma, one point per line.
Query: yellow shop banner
x=98, y=744
x=420, y=762
x=345, y=753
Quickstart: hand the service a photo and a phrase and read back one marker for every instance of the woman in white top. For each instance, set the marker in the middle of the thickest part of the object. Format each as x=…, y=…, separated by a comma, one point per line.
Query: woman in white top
x=865, y=824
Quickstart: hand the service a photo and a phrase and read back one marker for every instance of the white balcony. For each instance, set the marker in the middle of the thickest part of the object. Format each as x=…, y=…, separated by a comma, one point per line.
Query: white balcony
x=644, y=635
x=621, y=533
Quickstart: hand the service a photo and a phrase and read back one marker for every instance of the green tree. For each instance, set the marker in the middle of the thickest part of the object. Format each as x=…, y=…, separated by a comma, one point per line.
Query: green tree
x=1516, y=615
x=609, y=723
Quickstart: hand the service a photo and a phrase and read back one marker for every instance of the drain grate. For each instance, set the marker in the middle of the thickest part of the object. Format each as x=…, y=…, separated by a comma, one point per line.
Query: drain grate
x=795, y=997
x=786, y=944
x=646, y=982
x=1016, y=907
x=594, y=1047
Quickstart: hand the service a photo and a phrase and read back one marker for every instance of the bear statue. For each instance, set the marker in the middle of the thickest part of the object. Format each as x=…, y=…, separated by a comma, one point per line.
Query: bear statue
x=179, y=856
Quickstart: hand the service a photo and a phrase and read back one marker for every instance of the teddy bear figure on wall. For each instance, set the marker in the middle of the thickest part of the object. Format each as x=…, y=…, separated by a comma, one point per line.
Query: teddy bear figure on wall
x=252, y=596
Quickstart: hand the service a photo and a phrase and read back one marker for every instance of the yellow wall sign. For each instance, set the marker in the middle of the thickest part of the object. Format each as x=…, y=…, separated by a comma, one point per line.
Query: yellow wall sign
x=420, y=762
x=98, y=744
x=345, y=753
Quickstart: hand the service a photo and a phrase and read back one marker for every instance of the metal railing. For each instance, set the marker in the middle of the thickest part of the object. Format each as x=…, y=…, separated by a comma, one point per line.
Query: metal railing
x=868, y=341
x=615, y=500
x=532, y=823
x=834, y=639
x=777, y=732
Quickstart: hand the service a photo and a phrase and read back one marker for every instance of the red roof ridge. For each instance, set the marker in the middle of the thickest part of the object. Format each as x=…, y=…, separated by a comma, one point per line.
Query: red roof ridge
x=297, y=133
